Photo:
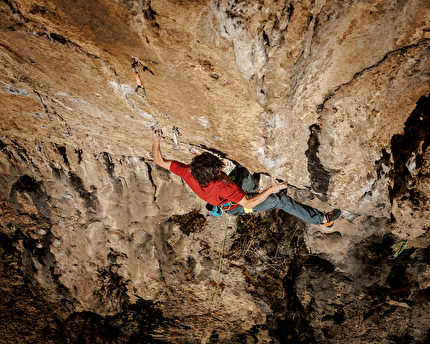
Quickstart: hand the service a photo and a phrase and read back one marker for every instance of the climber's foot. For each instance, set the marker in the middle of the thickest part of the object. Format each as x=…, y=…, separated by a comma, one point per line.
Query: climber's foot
x=330, y=217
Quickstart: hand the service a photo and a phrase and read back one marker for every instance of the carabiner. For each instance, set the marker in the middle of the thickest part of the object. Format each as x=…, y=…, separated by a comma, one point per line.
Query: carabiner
x=135, y=67
x=143, y=95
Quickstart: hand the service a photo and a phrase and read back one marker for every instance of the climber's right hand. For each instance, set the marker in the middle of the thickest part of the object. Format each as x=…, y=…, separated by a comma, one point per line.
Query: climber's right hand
x=156, y=133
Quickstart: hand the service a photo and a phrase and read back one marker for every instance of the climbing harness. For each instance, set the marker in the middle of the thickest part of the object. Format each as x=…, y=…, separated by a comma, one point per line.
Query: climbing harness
x=175, y=132
x=135, y=67
x=217, y=284
x=402, y=245
x=228, y=206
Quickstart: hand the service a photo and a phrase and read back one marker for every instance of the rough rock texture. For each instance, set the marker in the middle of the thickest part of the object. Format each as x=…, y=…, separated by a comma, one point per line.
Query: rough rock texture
x=332, y=96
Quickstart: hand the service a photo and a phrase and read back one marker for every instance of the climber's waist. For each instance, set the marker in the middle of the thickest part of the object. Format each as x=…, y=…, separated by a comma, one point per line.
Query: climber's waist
x=229, y=206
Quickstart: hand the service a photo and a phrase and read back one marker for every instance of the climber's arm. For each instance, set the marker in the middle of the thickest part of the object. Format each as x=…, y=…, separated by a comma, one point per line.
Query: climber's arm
x=156, y=150
x=250, y=203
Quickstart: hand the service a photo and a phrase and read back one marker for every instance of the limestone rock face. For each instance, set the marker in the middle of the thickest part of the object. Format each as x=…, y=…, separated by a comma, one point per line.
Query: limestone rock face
x=331, y=96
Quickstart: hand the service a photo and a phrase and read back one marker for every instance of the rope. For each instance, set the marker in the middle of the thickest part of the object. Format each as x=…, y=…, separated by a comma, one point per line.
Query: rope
x=217, y=285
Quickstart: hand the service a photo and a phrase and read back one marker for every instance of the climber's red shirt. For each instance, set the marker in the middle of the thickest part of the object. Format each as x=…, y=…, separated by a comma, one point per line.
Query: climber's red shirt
x=217, y=192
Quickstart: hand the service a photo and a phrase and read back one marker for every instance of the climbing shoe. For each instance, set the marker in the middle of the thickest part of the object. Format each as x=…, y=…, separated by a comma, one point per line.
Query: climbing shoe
x=331, y=217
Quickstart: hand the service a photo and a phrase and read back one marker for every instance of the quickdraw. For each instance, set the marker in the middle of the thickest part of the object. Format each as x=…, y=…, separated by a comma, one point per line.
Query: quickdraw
x=135, y=67
x=402, y=245
x=175, y=132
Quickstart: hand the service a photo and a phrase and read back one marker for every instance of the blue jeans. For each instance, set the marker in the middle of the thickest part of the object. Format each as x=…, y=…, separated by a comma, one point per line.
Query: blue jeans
x=279, y=201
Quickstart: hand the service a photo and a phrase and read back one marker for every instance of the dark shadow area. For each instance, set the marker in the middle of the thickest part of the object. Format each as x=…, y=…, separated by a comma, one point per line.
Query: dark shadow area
x=416, y=132
x=320, y=177
x=37, y=320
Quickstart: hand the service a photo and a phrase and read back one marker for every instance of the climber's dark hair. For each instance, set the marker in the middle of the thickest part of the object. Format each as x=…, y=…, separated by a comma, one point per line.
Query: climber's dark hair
x=206, y=167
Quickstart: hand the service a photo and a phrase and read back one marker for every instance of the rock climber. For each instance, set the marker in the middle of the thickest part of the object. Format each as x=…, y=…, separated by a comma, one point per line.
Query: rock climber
x=205, y=177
